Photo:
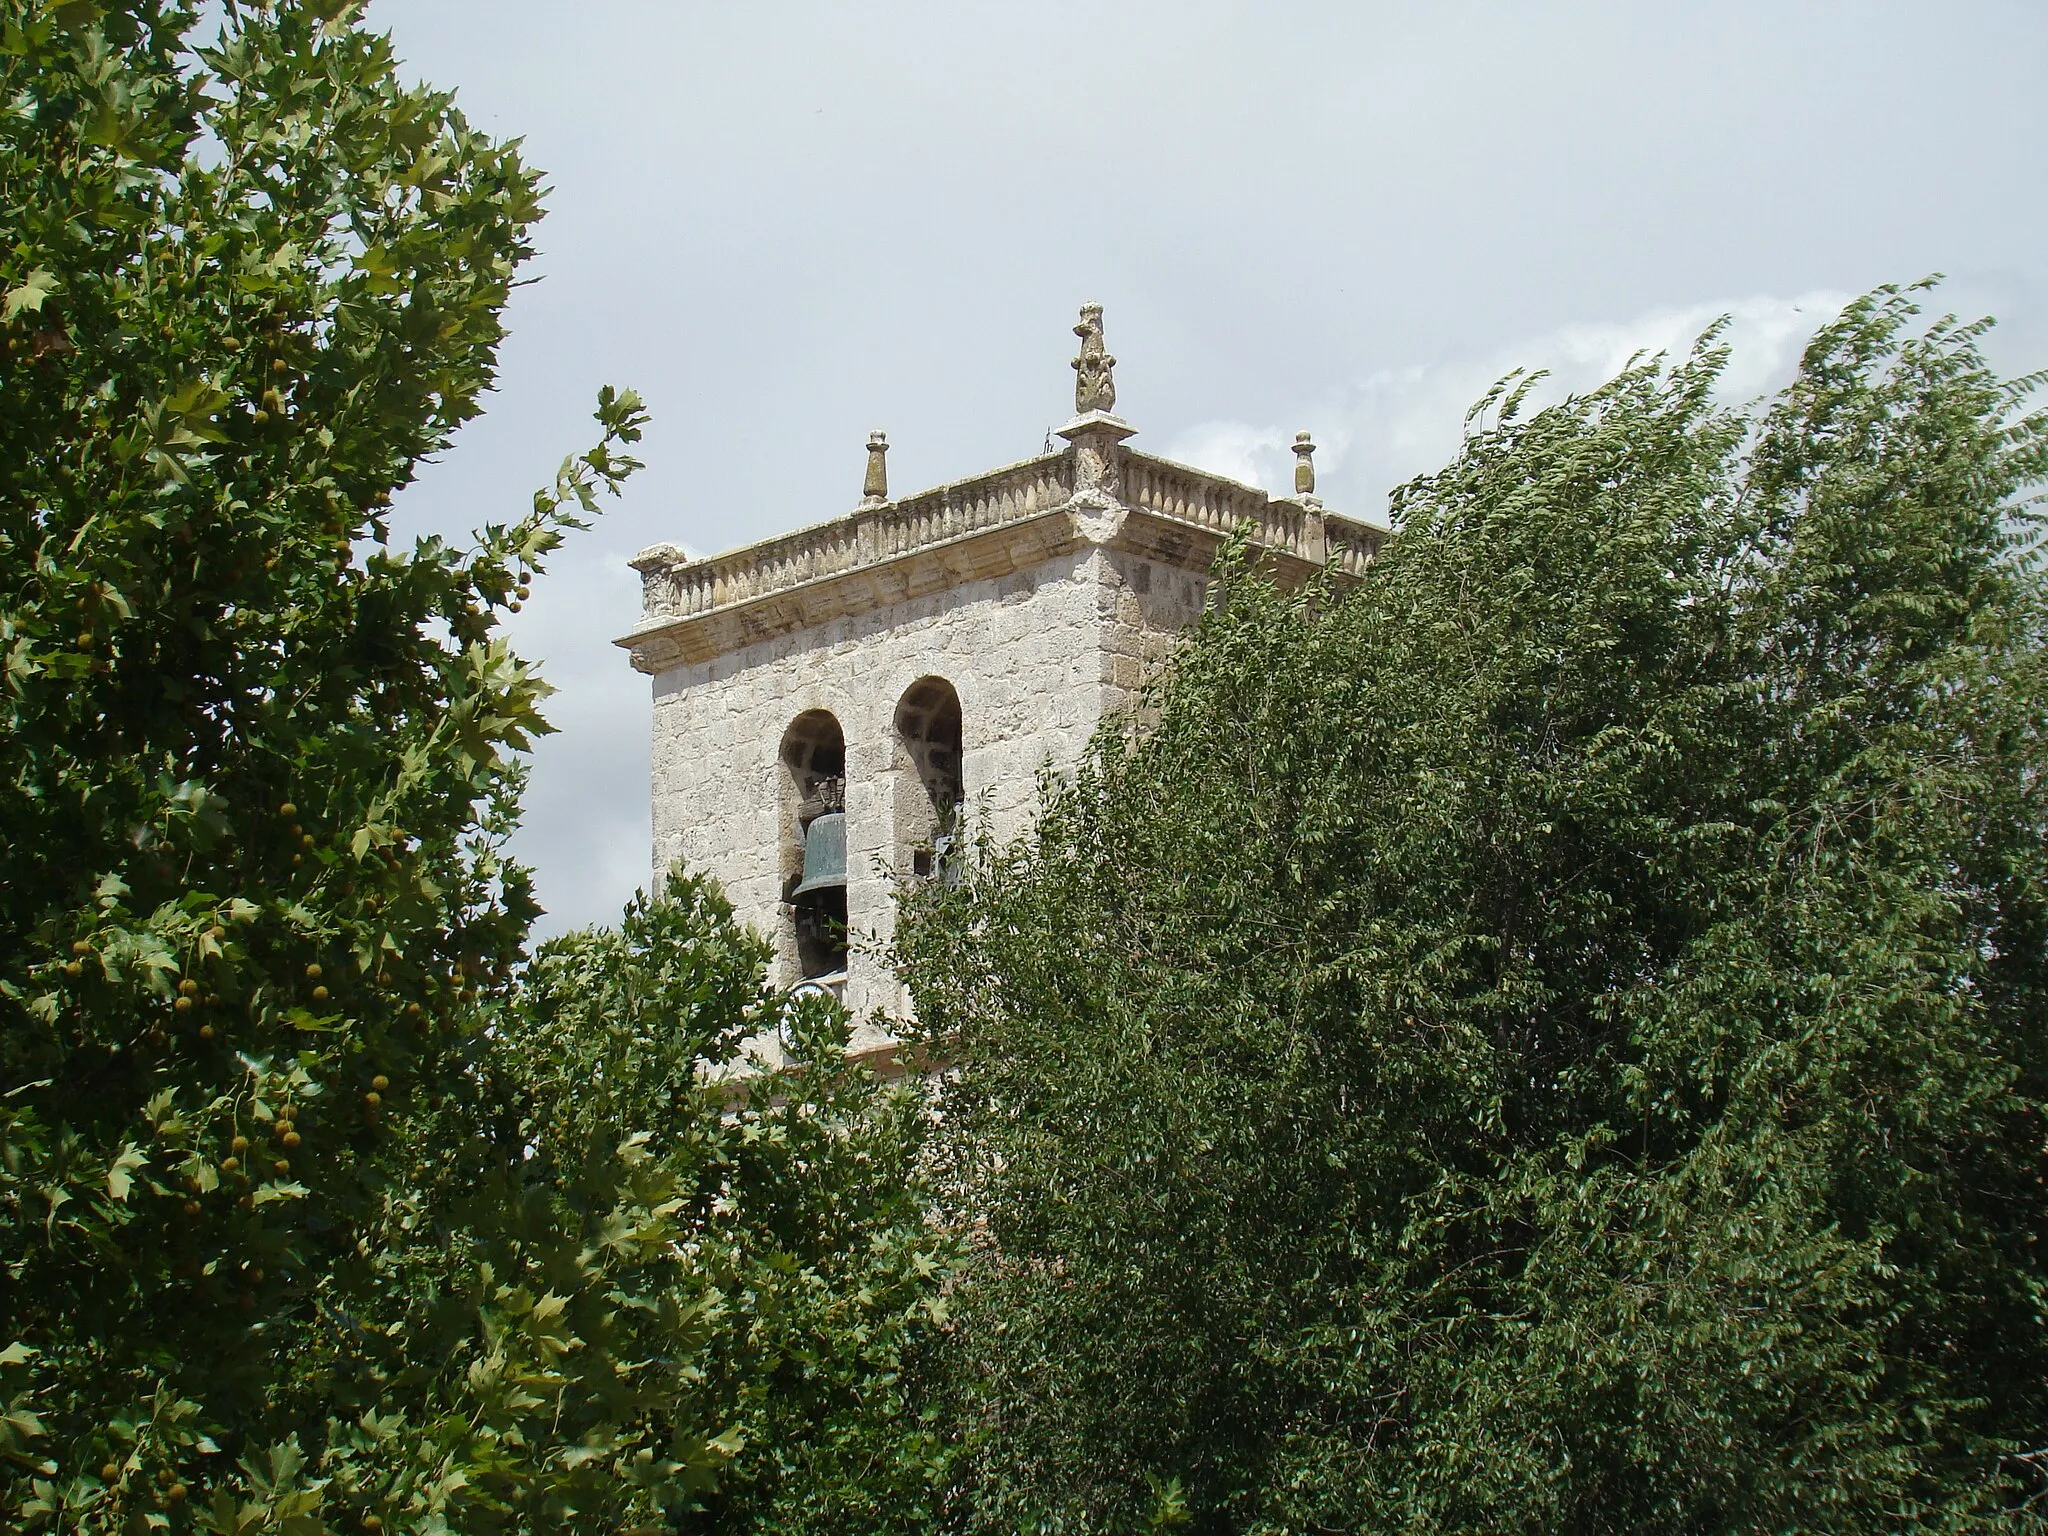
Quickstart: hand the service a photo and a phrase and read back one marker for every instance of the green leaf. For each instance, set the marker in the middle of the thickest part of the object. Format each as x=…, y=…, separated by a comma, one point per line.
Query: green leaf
x=29, y=293
x=121, y=1173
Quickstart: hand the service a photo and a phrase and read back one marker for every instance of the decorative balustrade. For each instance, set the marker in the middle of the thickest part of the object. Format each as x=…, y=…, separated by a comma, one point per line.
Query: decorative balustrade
x=1351, y=544
x=1221, y=506
x=683, y=589
x=1007, y=496
x=679, y=588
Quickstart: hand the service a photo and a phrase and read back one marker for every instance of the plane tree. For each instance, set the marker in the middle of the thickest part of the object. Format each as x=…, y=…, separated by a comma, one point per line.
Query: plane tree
x=323, y=1204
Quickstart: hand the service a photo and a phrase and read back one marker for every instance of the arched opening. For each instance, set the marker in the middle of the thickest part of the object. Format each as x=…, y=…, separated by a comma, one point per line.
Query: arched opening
x=930, y=789
x=813, y=757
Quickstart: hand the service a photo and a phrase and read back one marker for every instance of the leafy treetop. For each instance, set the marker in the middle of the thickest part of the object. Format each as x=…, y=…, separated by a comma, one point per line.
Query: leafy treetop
x=1550, y=1038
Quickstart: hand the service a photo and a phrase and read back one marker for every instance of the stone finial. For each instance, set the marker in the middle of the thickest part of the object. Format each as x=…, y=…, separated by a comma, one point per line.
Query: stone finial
x=1304, y=465
x=1094, y=369
x=876, y=486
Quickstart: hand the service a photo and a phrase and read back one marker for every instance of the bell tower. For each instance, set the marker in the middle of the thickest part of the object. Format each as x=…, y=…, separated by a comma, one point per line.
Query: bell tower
x=831, y=705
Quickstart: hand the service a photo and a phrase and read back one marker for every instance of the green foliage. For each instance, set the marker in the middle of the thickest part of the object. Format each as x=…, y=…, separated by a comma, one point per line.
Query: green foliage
x=792, y=1232
x=1551, y=1038
x=623, y=1282
x=313, y=1215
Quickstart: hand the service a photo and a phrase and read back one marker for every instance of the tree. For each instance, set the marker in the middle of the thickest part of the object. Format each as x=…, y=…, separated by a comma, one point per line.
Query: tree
x=1550, y=1038
x=691, y=1294
x=317, y=1210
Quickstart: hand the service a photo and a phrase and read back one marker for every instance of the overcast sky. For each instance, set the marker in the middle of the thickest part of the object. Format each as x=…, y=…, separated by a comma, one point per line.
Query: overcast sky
x=789, y=224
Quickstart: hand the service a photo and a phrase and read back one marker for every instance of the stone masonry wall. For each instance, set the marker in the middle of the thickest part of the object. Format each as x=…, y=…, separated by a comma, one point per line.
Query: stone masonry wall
x=1037, y=659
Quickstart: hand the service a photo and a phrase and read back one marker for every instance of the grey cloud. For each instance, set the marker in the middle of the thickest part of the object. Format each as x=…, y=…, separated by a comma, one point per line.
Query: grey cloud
x=789, y=223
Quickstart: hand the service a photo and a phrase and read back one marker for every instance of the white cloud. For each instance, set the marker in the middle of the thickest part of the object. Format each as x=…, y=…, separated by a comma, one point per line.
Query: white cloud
x=1400, y=422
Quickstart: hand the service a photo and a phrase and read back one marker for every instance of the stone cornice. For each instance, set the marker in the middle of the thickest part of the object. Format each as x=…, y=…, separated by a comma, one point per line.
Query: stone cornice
x=991, y=525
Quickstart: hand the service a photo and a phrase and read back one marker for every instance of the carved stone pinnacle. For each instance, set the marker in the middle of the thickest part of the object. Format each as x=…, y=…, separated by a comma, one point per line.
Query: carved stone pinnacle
x=1094, y=369
x=876, y=486
x=1304, y=465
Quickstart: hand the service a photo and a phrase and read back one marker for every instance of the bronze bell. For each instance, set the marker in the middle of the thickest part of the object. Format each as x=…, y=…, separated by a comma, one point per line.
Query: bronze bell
x=824, y=855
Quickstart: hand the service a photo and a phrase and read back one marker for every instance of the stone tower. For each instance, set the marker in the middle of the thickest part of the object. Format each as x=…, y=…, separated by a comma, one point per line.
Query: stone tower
x=829, y=704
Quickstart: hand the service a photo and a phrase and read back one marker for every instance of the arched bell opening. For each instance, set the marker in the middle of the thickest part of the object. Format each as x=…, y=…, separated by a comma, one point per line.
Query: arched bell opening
x=930, y=788
x=813, y=757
